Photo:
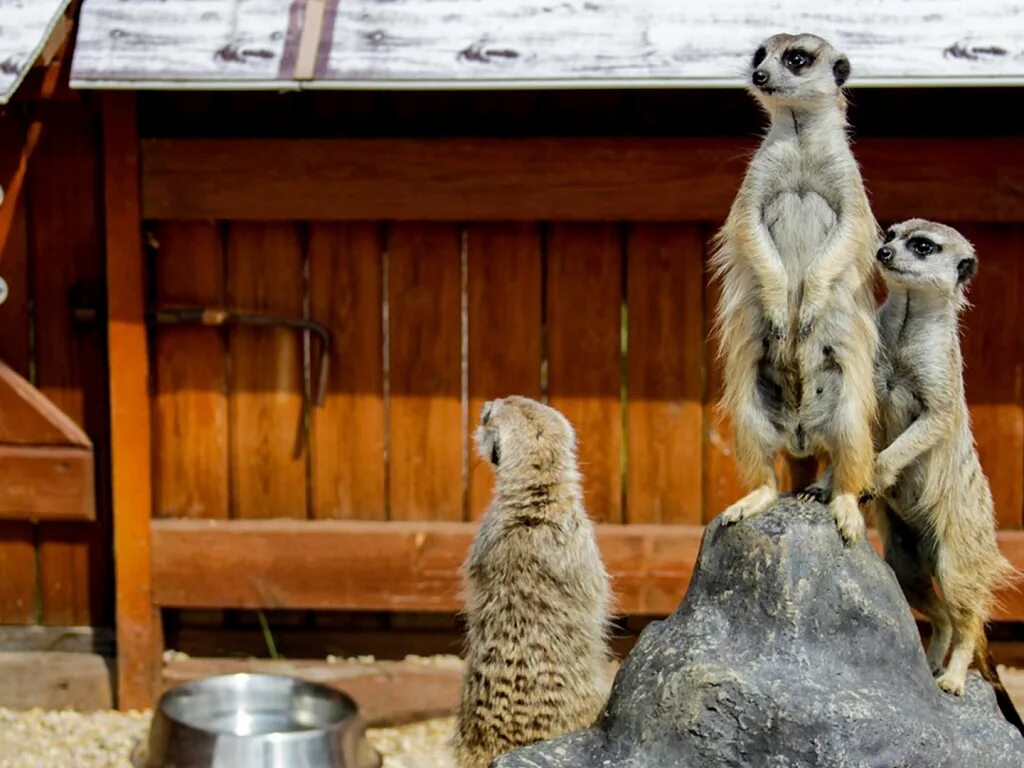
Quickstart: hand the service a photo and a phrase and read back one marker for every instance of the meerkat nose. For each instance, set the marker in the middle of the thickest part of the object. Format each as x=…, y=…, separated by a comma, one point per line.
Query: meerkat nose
x=760, y=77
x=884, y=254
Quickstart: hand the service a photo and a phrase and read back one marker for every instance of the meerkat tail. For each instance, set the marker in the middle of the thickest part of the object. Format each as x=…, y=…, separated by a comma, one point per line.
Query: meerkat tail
x=987, y=667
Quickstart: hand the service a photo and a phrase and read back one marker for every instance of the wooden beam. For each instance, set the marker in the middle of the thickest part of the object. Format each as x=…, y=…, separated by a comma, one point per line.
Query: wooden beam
x=405, y=566
x=16, y=147
x=634, y=179
x=379, y=566
x=27, y=416
x=139, y=638
x=45, y=483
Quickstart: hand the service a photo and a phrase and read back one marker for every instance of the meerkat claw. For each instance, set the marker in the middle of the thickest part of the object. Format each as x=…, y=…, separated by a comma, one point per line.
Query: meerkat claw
x=848, y=519
x=813, y=493
x=951, y=683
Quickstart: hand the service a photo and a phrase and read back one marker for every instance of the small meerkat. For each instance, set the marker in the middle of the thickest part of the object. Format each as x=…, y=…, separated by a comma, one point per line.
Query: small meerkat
x=537, y=593
x=934, y=506
x=795, y=320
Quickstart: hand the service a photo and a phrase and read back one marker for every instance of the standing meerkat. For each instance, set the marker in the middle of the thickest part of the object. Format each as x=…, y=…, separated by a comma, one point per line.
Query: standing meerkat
x=933, y=502
x=537, y=595
x=795, y=319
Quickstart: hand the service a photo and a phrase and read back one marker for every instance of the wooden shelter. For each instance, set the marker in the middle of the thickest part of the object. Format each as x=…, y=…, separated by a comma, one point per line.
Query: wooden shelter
x=459, y=201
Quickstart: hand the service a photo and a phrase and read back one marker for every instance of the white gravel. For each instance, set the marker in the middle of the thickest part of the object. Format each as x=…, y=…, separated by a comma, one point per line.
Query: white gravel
x=38, y=738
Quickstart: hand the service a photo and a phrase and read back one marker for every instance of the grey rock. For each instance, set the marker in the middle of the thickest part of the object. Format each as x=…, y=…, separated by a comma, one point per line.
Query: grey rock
x=788, y=650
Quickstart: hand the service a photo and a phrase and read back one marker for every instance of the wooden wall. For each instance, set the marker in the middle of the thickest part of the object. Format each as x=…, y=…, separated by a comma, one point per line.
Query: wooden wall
x=449, y=271
x=606, y=320
x=60, y=573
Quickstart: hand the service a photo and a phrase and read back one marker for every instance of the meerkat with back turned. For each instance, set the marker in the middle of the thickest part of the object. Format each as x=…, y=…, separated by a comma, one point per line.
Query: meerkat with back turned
x=537, y=593
x=795, y=319
x=934, y=507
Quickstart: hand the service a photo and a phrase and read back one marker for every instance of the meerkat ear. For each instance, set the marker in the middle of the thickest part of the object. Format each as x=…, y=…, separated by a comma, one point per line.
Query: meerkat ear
x=965, y=270
x=841, y=70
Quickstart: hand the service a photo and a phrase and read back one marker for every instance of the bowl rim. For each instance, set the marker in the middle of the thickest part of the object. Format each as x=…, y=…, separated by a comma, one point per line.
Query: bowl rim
x=319, y=689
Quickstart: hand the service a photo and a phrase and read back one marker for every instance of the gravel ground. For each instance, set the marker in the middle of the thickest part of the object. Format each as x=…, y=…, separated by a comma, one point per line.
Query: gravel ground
x=45, y=739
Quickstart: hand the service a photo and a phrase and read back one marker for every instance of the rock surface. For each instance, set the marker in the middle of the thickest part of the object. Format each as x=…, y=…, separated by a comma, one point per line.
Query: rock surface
x=788, y=650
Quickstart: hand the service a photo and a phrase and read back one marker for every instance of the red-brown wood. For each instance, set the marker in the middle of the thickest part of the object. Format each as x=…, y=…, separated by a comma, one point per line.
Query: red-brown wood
x=190, y=431
x=584, y=326
x=17, y=539
x=17, y=143
x=665, y=355
x=268, y=446
x=536, y=179
x=66, y=246
x=993, y=350
x=346, y=286
x=504, y=295
x=139, y=638
x=407, y=566
x=44, y=483
x=424, y=284
x=28, y=418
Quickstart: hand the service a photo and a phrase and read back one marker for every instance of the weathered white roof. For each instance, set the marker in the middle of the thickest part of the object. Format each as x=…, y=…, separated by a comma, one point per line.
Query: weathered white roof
x=25, y=26
x=237, y=44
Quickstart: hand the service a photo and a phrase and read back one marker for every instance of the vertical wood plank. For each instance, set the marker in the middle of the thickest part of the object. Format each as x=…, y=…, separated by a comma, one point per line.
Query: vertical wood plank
x=721, y=482
x=191, y=425
x=139, y=639
x=268, y=456
x=17, y=539
x=348, y=449
x=584, y=313
x=665, y=353
x=67, y=263
x=504, y=298
x=993, y=350
x=424, y=288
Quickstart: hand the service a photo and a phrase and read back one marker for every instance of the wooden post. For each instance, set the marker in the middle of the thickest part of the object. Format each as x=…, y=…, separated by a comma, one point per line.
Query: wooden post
x=139, y=634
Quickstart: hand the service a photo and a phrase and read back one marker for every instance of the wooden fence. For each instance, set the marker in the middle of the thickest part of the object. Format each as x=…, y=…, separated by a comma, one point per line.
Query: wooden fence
x=450, y=271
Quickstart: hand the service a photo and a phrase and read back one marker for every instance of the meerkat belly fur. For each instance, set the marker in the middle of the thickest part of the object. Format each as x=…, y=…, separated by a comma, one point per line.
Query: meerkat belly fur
x=933, y=502
x=795, y=320
x=537, y=594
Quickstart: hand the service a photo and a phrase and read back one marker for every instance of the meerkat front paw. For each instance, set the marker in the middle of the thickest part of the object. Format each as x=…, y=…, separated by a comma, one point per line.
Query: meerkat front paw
x=754, y=503
x=951, y=683
x=849, y=520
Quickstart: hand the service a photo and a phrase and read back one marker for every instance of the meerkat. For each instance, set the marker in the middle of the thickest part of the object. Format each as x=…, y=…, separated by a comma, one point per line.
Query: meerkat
x=933, y=503
x=795, y=320
x=934, y=507
x=537, y=593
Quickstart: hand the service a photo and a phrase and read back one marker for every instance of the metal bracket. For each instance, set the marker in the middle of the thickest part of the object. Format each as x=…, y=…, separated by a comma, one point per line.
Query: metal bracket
x=216, y=317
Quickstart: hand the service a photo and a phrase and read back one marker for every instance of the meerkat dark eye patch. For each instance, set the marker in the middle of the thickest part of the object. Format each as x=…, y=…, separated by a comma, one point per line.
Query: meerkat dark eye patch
x=922, y=246
x=841, y=71
x=796, y=59
x=965, y=270
x=759, y=56
x=890, y=235
x=495, y=454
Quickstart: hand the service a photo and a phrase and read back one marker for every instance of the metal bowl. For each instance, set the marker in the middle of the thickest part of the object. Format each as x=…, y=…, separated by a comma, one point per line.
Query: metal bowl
x=257, y=721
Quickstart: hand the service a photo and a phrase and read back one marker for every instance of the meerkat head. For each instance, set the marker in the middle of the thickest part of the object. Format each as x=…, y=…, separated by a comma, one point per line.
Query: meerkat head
x=520, y=436
x=923, y=255
x=797, y=71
